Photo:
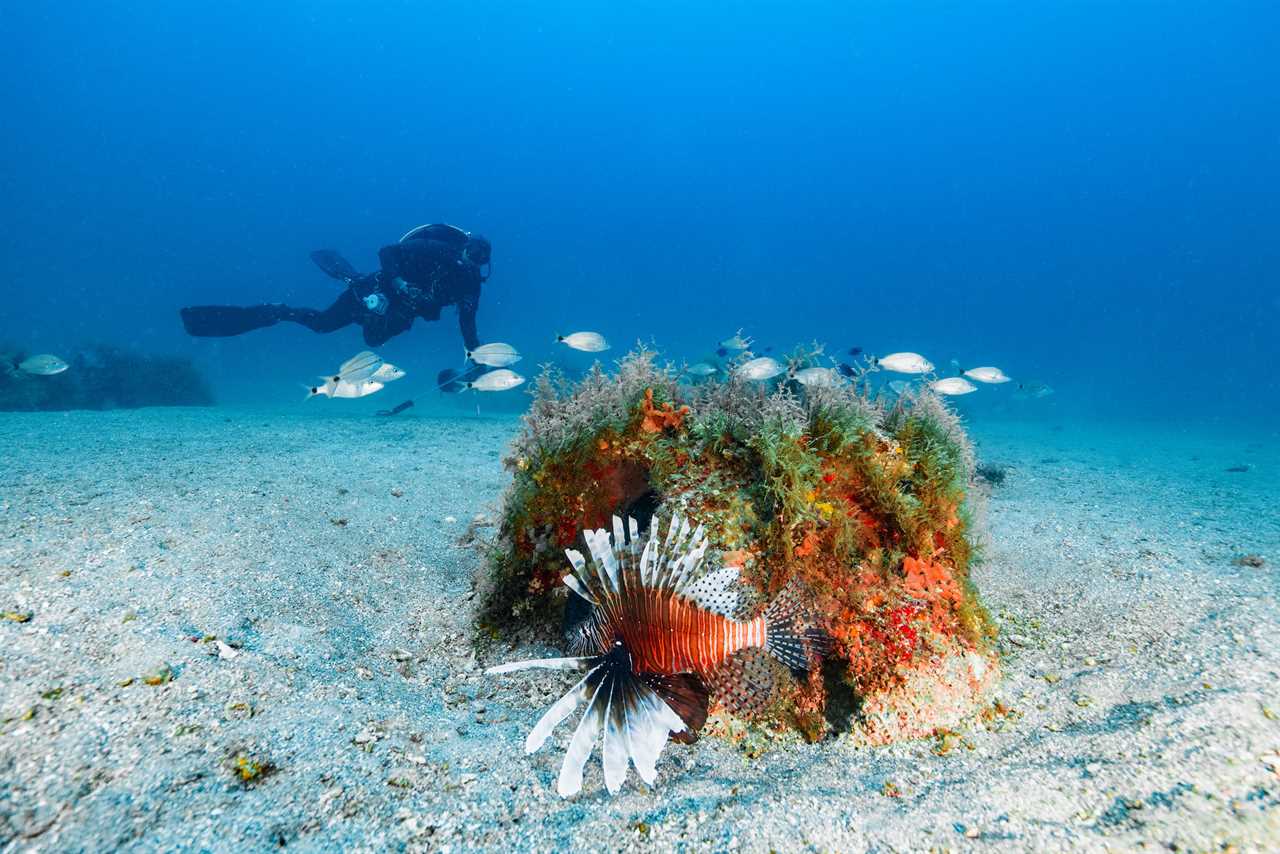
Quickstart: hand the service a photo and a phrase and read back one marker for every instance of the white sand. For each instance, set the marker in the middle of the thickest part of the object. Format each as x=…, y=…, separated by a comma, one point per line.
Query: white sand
x=125, y=534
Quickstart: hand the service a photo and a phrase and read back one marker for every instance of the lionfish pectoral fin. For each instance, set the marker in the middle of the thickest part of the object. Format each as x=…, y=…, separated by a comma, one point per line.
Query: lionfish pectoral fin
x=559, y=710
x=616, y=750
x=649, y=723
x=569, y=782
x=686, y=695
x=631, y=717
x=576, y=663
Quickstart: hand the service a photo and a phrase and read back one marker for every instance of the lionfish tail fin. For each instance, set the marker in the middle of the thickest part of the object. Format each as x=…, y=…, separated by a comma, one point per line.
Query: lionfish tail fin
x=791, y=633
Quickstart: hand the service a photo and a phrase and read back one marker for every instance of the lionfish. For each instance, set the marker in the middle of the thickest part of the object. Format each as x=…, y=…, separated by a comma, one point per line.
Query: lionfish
x=656, y=633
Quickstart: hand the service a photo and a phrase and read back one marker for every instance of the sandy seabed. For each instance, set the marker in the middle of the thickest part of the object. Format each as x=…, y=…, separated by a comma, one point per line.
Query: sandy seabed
x=333, y=558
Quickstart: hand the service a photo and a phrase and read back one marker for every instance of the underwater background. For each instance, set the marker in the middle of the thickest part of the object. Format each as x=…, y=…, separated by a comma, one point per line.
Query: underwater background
x=1083, y=194
x=266, y=623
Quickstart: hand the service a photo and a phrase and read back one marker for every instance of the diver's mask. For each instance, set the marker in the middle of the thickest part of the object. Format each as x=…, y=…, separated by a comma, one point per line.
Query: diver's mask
x=376, y=303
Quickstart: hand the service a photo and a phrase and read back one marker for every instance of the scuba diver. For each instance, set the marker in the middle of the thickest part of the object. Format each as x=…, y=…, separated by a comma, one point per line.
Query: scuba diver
x=430, y=267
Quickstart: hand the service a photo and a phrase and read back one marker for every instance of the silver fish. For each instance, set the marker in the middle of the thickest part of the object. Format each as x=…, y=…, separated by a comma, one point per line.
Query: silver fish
x=763, y=368
x=43, y=365
x=987, y=375
x=737, y=342
x=701, y=369
x=494, y=355
x=358, y=368
x=386, y=373
x=587, y=342
x=342, y=389
x=953, y=386
x=905, y=363
x=817, y=377
x=499, y=380
x=1033, y=390
x=899, y=386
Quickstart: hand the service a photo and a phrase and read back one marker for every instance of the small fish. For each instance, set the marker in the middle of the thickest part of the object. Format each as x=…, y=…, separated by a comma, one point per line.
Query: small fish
x=763, y=368
x=701, y=369
x=344, y=389
x=494, y=355
x=953, y=386
x=1034, y=390
x=737, y=342
x=43, y=365
x=657, y=633
x=987, y=375
x=847, y=370
x=499, y=380
x=855, y=351
x=386, y=373
x=905, y=363
x=358, y=368
x=817, y=377
x=587, y=342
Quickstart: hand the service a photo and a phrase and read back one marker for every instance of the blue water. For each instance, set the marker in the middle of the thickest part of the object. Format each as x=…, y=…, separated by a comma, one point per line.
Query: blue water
x=1085, y=195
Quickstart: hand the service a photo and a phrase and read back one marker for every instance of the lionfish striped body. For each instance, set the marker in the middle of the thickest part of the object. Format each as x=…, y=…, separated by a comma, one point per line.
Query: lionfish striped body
x=658, y=630
x=670, y=633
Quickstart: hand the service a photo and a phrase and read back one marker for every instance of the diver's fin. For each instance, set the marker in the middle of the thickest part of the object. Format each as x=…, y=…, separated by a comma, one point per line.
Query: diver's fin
x=447, y=381
x=396, y=410
x=334, y=265
x=220, y=321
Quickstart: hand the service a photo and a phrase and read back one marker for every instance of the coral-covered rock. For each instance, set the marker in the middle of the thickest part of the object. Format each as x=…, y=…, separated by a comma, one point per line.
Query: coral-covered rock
x=866, y=502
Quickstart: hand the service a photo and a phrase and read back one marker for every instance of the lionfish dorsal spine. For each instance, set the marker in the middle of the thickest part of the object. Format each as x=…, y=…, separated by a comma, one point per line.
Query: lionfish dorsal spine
x=576, y=586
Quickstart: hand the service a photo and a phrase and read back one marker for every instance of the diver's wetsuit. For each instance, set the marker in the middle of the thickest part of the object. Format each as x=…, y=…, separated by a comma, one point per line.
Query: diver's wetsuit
x=419, y=277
